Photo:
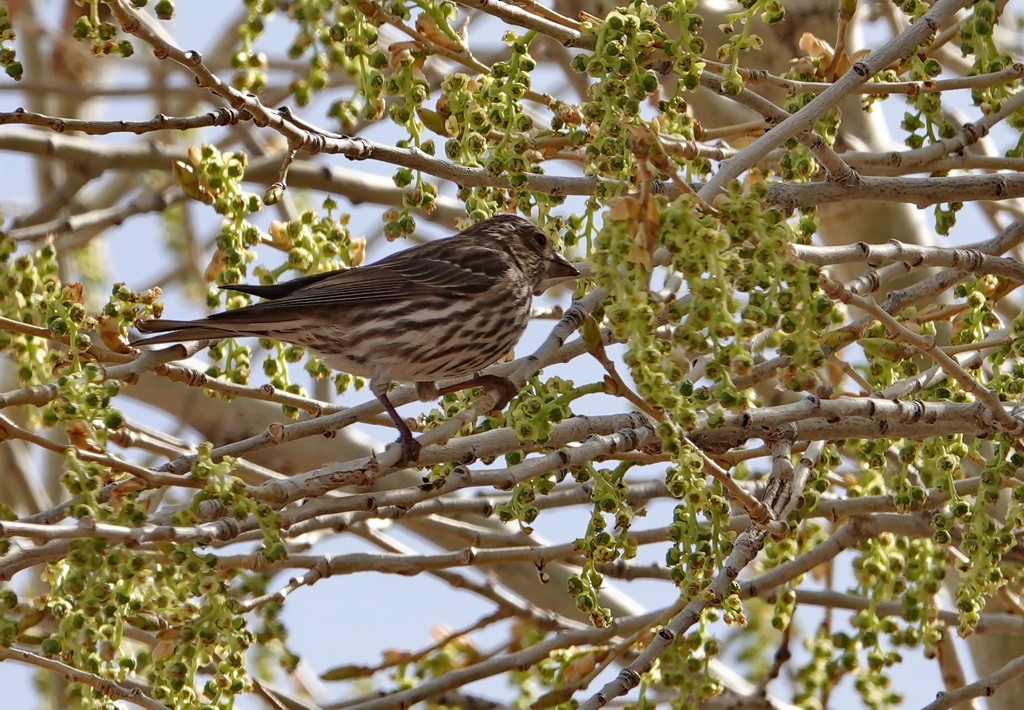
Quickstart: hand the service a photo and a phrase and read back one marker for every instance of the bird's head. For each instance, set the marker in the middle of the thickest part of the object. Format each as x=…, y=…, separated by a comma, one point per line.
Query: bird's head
x=531, y=247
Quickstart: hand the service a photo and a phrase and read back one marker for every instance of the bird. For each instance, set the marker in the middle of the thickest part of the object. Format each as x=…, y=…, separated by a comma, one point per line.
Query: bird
x=441, y=310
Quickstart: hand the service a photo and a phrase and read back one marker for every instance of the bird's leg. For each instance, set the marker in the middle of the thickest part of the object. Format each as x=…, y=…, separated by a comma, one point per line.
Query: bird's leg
x=503, y=386
x=410, y=447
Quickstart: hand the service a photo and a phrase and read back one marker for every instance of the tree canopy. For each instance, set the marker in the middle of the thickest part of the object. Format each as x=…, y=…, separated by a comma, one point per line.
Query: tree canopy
x=763, y=453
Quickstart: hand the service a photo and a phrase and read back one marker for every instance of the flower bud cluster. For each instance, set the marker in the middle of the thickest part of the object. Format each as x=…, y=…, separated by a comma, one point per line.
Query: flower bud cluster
x=215, y=178
x=102, y=34
x=99, y=588
x=332, y=37
x=31, y=284
x=486, y=126
x=539, y=407
x=33, y=293
x=630, y=42
x=585, y=590
x=686, y=664
x=738, y=28
x=8, y=56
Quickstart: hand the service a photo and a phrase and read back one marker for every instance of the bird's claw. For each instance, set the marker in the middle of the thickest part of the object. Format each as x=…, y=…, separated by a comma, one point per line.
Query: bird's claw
x=410, y=451
x=502, y=386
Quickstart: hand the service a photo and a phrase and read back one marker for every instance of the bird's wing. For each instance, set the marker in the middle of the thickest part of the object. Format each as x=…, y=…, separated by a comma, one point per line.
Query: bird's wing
x=453, y=267
x=431, y=272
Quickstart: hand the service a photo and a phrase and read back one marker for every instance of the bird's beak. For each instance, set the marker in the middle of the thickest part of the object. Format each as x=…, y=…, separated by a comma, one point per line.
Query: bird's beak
x=559, y=267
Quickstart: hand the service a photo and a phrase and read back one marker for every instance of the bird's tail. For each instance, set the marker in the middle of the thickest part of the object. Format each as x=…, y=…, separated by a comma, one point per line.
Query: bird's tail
x=178, y=331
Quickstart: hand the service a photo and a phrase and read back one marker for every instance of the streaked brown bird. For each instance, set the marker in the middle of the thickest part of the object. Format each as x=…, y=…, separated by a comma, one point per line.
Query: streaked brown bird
x=441, y=310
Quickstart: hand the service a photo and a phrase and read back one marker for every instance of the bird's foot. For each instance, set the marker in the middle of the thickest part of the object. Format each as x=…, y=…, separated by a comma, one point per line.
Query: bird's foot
x=502, y=385
x=410, y=451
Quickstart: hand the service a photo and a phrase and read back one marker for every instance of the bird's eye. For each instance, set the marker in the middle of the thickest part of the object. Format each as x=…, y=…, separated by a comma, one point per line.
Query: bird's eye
x=540, y=240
